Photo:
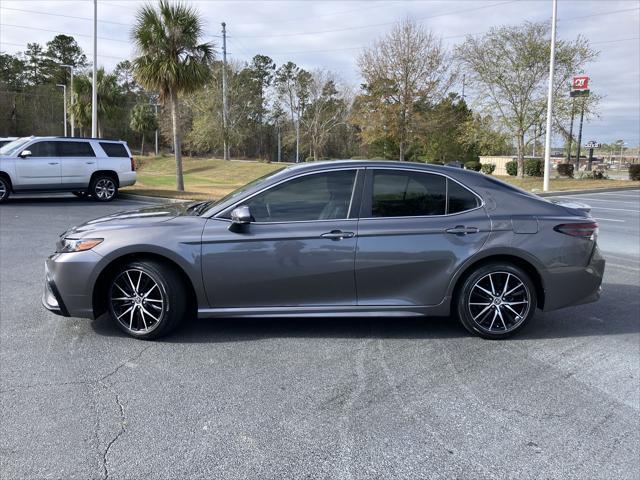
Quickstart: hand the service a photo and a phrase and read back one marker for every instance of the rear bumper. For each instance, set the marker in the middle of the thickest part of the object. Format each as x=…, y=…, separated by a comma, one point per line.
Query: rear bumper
x=126, y=179
x=568, y=286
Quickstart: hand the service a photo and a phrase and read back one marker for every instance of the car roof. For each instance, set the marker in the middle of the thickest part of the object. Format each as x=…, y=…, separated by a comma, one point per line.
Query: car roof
x=74, y=139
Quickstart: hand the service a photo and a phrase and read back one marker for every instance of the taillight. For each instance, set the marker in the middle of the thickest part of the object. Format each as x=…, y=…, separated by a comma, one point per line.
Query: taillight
x=133, y=164
x=584, y=230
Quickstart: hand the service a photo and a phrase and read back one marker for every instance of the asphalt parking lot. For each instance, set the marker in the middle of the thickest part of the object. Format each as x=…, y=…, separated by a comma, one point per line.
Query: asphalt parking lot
x=317, y=398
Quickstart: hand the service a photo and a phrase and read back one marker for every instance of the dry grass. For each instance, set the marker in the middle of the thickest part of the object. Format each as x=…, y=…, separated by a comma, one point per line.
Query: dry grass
x=211, y=178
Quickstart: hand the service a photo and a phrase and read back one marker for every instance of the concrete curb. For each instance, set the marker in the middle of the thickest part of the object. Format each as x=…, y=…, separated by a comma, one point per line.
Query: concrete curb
x=581, y=192
x=150, y=199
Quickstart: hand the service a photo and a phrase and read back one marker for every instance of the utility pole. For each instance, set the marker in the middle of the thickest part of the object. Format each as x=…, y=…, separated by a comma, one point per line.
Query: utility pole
x=64, y=99
x=225, y=145
x=547, y=141
x=156, y=105
x=464, y=77
x=580, y=137
x=533, y=154
x=94, y=80
x=573, y=113
x=73, y=120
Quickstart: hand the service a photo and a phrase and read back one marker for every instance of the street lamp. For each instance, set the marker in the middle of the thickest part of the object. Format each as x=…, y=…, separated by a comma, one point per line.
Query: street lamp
x=64, y=97
x=73, y=120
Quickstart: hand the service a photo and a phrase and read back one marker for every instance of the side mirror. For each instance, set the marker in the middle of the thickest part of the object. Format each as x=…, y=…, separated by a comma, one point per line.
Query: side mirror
x=241, y=215
x=25, y=154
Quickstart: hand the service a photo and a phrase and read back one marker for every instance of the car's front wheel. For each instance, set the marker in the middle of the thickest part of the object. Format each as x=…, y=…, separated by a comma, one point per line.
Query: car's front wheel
x=496, y=300
x=147, y=299
x=5, y=188
x=103, y=188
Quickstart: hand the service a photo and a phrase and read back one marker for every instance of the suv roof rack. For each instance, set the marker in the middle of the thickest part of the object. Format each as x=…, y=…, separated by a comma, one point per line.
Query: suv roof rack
x=90, y=138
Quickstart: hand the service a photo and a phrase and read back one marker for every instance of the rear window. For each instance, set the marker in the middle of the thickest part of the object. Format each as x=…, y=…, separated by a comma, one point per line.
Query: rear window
x=460, y=199
x=114, y=149
x=75, y=149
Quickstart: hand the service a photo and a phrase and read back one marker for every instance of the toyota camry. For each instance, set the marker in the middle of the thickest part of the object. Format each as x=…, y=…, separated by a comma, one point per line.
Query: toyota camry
x=341, y=238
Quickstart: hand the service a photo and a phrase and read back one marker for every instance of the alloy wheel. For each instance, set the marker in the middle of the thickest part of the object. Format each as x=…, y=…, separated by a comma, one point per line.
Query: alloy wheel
x=137, y=301
x=105, y=189
x=499, y=302
x=3, y=189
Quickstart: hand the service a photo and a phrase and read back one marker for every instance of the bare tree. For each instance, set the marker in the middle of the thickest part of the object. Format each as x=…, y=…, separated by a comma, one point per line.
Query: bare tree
x=292, y=86
x=327, y=109
x=509, y=66
x=407, y=67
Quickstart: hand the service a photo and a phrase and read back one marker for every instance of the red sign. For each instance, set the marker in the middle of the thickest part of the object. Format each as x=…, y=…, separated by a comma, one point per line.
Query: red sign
x=580, y=83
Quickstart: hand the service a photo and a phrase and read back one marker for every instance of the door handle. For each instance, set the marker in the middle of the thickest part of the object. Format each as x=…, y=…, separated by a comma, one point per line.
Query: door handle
x=53, y=163
x=337, y=235
x=462, y=230
x=90, y=163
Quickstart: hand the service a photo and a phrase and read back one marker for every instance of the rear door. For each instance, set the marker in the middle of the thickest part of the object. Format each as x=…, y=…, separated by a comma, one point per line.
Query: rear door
x=77, y=163
x=40, y=170
x=416, y=229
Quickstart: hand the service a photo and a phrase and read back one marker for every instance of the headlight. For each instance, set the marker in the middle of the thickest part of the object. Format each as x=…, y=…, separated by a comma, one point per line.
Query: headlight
x=68, y=245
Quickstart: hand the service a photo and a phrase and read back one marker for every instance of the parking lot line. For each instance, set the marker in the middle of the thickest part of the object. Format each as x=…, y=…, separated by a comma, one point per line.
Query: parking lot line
x=589, y=199
x=608, y=219
x=628, y=210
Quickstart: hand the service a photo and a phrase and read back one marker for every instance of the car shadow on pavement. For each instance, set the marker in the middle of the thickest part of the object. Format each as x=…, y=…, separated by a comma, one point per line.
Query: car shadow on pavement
x=56, y=201
x=617, y=313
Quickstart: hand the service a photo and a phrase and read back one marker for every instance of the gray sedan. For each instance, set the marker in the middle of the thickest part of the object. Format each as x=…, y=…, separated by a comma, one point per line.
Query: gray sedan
x=343, y=238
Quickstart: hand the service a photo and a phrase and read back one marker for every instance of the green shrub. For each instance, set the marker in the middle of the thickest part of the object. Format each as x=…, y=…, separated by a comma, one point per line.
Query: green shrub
x=634, y=171
x=473, y=165
x=358, y=157
x=565, y=169
x=435, y=162
x=512, y=168
x=533, y=167
x=488, y=168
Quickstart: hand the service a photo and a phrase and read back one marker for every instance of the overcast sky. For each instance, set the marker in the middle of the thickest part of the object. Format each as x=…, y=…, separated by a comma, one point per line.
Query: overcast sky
x=330, y=34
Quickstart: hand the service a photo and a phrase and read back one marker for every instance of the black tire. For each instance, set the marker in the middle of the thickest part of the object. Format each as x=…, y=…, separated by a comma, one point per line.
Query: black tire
x=103, y=188
x=490, y=309
x=5, y=188
x=156, y=310
x=81, y=194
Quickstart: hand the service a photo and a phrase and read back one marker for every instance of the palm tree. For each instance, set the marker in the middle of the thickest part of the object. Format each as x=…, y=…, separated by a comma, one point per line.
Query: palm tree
x=142, y=120
x=109, y=100
x=170, y=59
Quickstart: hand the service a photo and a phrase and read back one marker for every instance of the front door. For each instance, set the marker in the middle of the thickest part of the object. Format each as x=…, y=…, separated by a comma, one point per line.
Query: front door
x=40, y=170
x=416, y=230
x=298, y=251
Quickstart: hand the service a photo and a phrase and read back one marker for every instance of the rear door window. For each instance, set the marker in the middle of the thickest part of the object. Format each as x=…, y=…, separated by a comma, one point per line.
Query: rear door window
x=407, y=194
x=75, y=149
x=460, y=199
x=114, y=150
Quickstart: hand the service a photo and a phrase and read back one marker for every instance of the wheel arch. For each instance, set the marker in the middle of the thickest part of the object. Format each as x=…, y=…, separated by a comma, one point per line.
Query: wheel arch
x=6, y=176
x=99, y=302
x=112, y=173
x=519, y=259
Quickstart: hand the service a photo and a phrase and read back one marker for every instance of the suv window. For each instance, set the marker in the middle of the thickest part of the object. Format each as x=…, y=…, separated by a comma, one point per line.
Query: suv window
x=407, y=194
x=75, y=149
x=318, y=196
x=114, y=149
x=43, y=149
x=460, y=199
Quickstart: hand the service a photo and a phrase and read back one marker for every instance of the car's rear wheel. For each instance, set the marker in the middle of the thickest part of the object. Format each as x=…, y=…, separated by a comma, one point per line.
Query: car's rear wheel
x=147, y=299
x=103, y=188
x=5, y=188
x=496, y=300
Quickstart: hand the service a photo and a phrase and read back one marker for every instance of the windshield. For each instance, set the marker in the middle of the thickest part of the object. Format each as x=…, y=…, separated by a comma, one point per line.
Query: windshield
x=12, y=148
x=238, y=192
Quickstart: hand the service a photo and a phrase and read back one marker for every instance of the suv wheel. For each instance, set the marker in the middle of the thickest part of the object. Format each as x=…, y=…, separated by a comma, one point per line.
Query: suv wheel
x=5, y=189
x=147, y=299
x=103, y=188
x=496, y=300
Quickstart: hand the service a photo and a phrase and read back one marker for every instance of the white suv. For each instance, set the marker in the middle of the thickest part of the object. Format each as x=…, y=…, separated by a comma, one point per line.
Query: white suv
x=96, y=167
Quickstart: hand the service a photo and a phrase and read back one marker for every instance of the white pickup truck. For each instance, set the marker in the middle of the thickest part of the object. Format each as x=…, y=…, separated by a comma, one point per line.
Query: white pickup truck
x=84, y=166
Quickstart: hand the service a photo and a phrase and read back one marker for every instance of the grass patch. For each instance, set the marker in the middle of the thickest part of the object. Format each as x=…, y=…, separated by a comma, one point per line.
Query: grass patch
x=212, y=178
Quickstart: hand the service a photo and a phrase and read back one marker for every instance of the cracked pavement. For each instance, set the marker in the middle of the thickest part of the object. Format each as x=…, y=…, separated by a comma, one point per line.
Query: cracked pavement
x=330, y=398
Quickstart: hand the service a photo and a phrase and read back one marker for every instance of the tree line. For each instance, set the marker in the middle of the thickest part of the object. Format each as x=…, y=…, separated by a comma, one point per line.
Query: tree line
x=409, y=106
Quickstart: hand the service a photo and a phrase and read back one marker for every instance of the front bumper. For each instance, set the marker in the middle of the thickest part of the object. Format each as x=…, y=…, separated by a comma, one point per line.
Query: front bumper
x=69, y=280
x=570, y=286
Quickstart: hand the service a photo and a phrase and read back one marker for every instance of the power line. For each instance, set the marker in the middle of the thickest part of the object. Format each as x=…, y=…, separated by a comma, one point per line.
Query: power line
x=360, y=27
x=88, y=55
x=62, y=15
x=64, y=33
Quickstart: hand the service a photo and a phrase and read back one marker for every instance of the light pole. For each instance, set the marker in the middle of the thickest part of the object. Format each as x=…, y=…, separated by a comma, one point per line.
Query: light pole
x=73, y=119
x=156, y=105
x=64, y=98
x=547, y=141
x=94, y=80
